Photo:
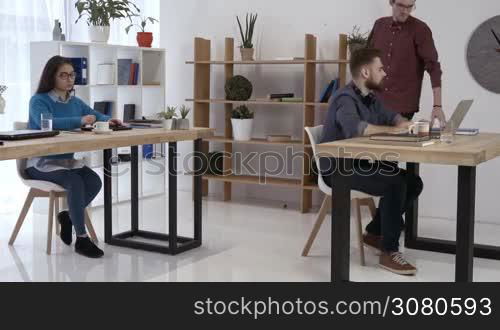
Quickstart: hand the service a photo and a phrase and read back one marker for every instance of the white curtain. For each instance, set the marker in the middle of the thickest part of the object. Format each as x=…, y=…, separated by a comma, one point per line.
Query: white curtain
x=21, y=22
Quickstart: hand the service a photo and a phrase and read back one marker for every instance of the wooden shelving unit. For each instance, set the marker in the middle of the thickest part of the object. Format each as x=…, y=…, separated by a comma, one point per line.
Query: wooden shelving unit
x=202, y=105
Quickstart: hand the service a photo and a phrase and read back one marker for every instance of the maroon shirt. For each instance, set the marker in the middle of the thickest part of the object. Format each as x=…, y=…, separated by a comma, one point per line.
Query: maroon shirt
x=408, y=50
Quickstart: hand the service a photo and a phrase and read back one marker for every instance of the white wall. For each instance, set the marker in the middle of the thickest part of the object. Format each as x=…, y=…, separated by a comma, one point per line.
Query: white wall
x=281, y=28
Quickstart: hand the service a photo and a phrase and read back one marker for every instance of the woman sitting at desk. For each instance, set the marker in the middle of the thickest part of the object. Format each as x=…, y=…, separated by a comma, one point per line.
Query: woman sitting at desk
x=80, y=182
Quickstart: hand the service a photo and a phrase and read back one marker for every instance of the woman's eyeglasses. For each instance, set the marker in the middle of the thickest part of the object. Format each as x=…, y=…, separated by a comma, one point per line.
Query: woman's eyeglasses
x=67, y=76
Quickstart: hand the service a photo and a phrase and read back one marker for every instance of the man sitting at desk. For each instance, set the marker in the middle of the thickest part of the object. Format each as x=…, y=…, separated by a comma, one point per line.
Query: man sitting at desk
x=355, y=111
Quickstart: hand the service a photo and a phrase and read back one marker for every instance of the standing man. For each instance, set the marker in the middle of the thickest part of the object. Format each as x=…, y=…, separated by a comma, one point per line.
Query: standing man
x=408, y=50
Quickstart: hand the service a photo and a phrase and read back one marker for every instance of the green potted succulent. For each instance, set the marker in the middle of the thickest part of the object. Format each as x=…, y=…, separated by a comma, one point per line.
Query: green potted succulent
x=100, y=13
x=357, y=40
x=183, y=122
x=167, y=117
x=144, y=39
x=242, y=122
x=247, y=50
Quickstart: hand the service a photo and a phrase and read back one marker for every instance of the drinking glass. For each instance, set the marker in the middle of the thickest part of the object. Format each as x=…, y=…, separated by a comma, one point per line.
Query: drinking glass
x=46, y=121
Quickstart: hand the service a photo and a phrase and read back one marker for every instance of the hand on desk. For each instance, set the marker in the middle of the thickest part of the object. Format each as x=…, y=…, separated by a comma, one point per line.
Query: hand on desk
x=88, y=120
x=115, y=122
x=438, y=115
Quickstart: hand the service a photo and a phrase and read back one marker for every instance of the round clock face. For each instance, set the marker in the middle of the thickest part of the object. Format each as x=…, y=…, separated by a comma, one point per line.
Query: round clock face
x=483, y=55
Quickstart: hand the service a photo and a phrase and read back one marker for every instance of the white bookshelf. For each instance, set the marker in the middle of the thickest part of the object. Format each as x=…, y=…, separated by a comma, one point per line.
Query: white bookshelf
x=148, y=96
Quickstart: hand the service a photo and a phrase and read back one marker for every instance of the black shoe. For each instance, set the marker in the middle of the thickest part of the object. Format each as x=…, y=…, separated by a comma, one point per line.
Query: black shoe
x=87, y=248
x=66, y=227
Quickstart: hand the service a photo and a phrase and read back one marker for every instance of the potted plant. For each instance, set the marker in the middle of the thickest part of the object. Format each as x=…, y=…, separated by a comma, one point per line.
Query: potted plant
x=246, y=48
x=242, y=121
x=357, y=40
x=183, y=123
x=144, y=39
x=100, y=13
x=2, y=100
x=167, y=117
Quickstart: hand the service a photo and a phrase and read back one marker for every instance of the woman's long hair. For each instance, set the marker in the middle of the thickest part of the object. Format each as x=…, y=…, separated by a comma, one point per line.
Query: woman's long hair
x=48, y=79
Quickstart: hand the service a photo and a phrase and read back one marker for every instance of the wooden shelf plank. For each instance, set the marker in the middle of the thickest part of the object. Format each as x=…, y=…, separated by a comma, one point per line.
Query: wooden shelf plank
x=221, y=139
x=254, y=102
x=278, y=62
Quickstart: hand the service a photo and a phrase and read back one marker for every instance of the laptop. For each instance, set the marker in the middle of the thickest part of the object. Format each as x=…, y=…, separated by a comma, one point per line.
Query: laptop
x=457, y=118
x=26, y=135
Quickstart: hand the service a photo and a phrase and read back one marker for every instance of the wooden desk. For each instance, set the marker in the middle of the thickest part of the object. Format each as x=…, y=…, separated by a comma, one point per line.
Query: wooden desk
x=467, y=152
x=83, y=142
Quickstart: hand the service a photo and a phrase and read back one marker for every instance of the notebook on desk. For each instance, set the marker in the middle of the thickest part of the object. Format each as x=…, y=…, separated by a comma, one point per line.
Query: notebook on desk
x=424, y=143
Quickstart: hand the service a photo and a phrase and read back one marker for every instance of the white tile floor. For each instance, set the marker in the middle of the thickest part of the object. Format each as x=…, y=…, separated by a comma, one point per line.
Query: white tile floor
x=243, y=241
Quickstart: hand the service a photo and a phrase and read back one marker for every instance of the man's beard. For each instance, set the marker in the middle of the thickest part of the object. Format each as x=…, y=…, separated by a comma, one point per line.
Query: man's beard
x=371, y=85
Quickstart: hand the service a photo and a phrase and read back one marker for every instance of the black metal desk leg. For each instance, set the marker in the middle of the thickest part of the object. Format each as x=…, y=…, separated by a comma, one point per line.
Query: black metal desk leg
x=198, y=190
x=134, y=178
x=108, y=196
x=172, y=195
x=466, y=202
x=341, y=222
x=411, y=216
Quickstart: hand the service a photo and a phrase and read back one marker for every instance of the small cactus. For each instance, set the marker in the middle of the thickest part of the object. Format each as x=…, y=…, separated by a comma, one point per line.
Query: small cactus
x=184, y=111
x=169, y=113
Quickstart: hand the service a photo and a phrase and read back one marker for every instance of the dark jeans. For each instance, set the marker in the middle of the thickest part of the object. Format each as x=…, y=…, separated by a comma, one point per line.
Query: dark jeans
x=398, y=190
x=82, y=186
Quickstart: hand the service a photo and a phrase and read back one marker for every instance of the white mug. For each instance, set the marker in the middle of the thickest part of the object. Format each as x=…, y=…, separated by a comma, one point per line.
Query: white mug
x=101, y=126
x=420, y=128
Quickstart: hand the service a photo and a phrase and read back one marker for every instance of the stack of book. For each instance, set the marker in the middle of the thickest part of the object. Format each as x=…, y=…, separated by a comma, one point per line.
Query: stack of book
x=128, y=72
x=285, y=97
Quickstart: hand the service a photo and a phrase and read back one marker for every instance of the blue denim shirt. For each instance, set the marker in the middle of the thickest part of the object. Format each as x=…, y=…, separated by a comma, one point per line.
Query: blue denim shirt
x=350, y=113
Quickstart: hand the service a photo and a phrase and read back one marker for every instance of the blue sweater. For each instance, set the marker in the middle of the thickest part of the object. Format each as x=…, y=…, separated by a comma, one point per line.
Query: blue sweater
x=66, y=116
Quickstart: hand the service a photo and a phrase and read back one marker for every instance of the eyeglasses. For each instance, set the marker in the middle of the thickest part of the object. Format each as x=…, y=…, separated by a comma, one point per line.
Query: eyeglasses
x=405, y=7
x=67, y=76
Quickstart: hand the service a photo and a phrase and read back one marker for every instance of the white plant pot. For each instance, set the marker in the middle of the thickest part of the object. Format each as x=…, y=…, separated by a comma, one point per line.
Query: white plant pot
x=168, y=124
x=242, y=129
x=99, y=33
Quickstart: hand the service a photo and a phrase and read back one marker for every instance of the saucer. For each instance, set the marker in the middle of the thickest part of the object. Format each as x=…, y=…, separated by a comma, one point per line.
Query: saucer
x=108, y=131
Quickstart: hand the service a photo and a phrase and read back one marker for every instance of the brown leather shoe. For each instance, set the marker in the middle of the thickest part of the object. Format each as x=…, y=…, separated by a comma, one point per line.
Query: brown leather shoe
x=373, y=242
x=396, y=263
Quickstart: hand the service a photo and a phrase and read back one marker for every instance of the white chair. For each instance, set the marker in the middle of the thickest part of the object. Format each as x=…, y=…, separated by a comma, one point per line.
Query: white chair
x=42, y=189
x=360, y=199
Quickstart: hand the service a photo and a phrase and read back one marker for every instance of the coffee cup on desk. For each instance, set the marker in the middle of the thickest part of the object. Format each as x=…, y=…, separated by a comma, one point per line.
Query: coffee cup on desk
x=420, y=128
x=101, y=126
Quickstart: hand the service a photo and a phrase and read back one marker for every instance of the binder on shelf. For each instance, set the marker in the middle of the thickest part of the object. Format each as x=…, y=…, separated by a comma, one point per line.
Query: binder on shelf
x=329, y=91
x=131, y=77
x=128, y=112
x=124, y=68
x=136, y=75
x=80, y=67
x=128, y=72
x=104, y=107
x=147, y=151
